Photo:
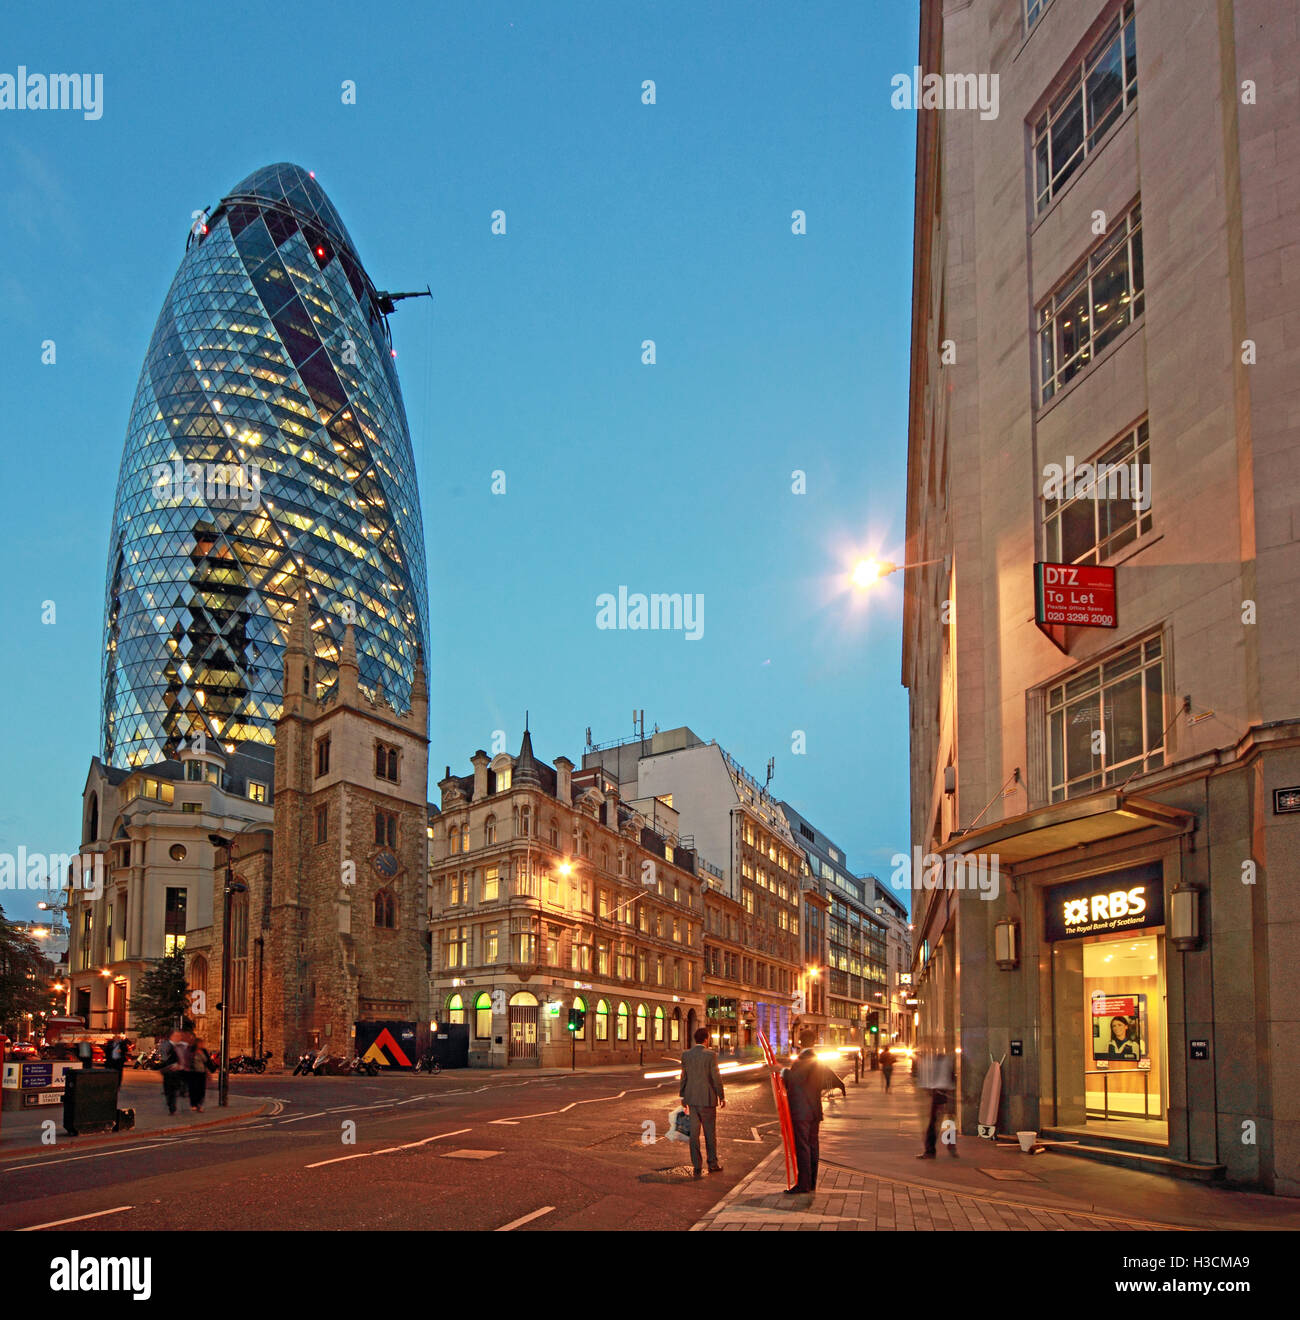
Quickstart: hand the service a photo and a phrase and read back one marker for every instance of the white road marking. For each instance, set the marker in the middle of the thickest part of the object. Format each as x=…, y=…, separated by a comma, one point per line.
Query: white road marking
x=98, y=1155
x=515, y=1223
x=387, y=1150
x=56, y=1223
x=300, y=1117
x=546, y=1113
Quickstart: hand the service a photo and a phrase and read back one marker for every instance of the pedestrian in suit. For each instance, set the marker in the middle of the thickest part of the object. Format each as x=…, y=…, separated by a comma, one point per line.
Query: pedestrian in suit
x=702, y=1096
x=804, y=1083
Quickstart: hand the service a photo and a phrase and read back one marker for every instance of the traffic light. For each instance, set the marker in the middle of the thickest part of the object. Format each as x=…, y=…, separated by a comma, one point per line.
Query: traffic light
x=873, y=1023
x=577, y=1019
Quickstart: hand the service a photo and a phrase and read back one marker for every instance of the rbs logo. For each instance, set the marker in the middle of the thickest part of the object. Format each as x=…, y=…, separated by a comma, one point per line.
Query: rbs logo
x=1106, y=907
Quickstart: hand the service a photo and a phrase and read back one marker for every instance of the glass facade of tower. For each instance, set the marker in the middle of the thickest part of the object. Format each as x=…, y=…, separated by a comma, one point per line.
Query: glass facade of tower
x=267, y=440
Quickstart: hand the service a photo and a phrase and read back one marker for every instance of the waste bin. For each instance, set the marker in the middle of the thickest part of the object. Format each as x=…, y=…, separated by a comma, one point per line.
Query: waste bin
x=89, y=1100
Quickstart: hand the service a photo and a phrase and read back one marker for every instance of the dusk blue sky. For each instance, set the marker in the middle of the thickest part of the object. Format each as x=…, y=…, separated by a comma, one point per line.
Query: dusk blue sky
x=625, y=222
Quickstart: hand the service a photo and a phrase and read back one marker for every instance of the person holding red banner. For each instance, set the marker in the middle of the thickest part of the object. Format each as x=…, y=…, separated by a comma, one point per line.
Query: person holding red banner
x=805, y=1081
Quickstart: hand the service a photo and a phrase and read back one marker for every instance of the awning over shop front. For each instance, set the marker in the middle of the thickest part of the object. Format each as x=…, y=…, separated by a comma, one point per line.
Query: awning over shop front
x=1066, y=825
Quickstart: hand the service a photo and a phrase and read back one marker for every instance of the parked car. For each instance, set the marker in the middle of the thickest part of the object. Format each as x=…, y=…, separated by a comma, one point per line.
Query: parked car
x=21, y=1049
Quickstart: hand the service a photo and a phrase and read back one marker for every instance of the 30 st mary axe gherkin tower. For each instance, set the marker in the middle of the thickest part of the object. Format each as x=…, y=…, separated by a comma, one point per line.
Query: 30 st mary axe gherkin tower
x=267, y=443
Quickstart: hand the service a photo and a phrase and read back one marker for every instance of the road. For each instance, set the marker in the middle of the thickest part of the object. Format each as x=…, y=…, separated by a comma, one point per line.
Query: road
x=463, y=1150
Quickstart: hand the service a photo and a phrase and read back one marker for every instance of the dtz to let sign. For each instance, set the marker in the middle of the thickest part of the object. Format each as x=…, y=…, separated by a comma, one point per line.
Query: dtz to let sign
x=1076, y=594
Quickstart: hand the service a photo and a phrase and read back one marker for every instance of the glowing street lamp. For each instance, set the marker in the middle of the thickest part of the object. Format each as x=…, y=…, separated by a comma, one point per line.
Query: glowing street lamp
x=867, y=572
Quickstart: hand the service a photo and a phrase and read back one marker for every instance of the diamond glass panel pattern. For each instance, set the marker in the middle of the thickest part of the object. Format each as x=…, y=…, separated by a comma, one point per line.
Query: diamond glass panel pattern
x=269, y=353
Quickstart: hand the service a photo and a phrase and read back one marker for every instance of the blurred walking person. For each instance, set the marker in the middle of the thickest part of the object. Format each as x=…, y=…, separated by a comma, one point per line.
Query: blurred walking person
x=938, y=1077
x=886, y=1065
x=196, y=1078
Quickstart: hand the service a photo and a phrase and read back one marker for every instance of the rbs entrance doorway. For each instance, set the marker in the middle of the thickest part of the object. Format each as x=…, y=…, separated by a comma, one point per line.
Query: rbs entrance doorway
x=1108, y=1061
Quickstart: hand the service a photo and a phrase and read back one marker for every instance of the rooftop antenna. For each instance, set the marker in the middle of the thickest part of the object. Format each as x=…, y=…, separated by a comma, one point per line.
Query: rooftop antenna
x=525, y=721
x=589, y=742
x=771, y=769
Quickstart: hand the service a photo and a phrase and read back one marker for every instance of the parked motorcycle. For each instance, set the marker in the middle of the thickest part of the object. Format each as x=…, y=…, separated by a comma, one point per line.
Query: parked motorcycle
x=428, y=1064
x=303, y=1067
x=358, y=1066
x=151, y=1060
x=249, y=1063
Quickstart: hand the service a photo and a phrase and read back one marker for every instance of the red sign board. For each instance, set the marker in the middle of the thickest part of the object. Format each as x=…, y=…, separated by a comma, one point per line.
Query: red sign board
x=1075, y=595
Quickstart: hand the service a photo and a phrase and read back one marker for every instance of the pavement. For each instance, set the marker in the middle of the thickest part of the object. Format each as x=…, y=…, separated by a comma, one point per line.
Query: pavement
x=24, y=1129
x=870, y=1179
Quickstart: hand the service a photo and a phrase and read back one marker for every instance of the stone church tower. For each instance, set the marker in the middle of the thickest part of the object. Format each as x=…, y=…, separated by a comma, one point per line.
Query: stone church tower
x=345, y=914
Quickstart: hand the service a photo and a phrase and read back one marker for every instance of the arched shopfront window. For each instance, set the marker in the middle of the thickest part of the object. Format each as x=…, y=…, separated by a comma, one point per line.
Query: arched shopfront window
x=640, y=1022
x=456, y=1010
x=602, y=1020
x=621, y=1022
x=659, y=1024
x=483, y=1017
x=675, y=1027
x=581, y=1005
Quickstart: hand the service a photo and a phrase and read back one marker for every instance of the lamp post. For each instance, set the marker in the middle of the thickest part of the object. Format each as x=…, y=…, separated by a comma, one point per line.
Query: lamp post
x=231, y=887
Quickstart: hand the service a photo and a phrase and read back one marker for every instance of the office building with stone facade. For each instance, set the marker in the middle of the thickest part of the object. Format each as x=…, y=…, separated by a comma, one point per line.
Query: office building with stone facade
x=732, y=820
x=1099, y=634
x=549, y=892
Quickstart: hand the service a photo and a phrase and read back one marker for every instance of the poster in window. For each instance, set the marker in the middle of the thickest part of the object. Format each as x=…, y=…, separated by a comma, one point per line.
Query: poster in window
x=1119, y=1025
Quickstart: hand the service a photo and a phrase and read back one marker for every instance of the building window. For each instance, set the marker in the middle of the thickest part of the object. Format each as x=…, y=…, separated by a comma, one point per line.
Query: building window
x=524, y=826
x=322, y=824
x=489, y=831
x=621, y=1022
x=1090, y=104
x=456, y=1010
x=640, y=1022
x=1107, y=722
x=256, y=791
x=456, y=947
x=581, y=1005
x=659, y=1025
x=523, y=944
x=386, y=762
x=1033, y=12
x=198, y=978
x=491, y=945
x=580, y=957
x=173, y=924
x=1111, y=508
x=503, y=778
x=239, y=953
x=87, y=938
x=483, y=1017
x=1103, y=294
x=491, y=884
x=385, y=829
x=458, y=889
x=322, y=756
x=602, y=1020
x=386, y=909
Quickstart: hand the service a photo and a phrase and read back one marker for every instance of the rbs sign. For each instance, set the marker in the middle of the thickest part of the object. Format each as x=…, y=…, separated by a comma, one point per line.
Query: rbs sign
x=1122, y=900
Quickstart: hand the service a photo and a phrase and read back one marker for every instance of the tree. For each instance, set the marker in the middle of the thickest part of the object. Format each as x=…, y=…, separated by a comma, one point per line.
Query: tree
x=25, y=974
x=161, y=999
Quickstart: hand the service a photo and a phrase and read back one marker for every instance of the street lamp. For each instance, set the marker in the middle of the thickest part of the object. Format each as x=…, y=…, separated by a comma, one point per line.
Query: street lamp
x=867, y=572
x=232, y=886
